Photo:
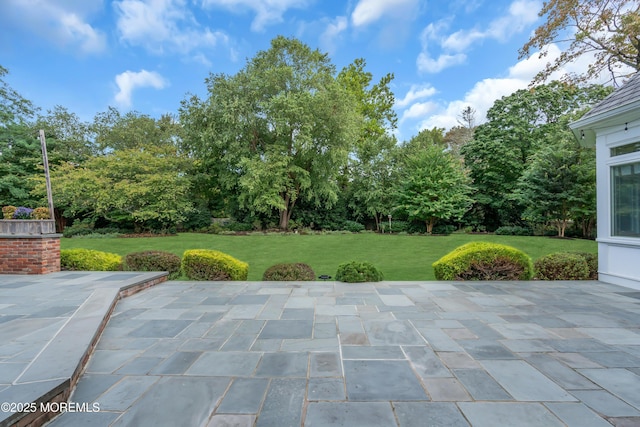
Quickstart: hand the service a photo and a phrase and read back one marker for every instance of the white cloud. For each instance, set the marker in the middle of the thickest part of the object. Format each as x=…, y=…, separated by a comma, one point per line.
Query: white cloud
x=130, y=80
x=369, y=11
x=521, y=14
x=160, y=24
x=268, y=12
x=416, y=92
x=65, y=23
x=332, y=32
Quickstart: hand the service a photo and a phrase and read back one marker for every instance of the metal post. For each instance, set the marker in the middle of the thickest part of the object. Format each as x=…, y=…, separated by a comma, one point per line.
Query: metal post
x=45, y=162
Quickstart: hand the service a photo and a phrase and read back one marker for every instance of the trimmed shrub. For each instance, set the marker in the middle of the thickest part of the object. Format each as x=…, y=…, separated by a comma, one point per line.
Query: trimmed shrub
x=89, y=260
x=153, y=261
x=204, y=264
x=562, y=266
x=592, y=263
x=484, y=261
x=286, y=272
x=353, y=226
x=513, y=230
x=7, y=212
x=357, y=272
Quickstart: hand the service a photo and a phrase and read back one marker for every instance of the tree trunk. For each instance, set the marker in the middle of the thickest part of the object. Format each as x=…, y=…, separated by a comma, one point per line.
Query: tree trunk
x=430, y=222
x=284, y=219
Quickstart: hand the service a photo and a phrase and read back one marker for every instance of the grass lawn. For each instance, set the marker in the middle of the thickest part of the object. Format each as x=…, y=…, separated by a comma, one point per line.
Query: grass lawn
x=399, y=257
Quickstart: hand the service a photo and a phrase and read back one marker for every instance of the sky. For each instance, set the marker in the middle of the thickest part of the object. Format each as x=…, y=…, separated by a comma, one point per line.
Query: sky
x=149, y=55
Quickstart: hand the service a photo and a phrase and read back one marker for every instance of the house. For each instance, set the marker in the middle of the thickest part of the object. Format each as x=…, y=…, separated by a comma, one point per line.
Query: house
x=613, y=127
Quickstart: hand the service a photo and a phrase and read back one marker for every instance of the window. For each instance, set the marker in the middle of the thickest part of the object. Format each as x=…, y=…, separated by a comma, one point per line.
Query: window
x=625, y=149
x=625, y=199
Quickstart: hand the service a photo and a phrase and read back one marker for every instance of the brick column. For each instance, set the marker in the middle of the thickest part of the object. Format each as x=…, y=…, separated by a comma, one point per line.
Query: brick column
x=29, y=254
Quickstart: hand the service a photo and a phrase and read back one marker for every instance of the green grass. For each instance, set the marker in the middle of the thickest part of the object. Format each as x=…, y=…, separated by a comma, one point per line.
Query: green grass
x=399, y=257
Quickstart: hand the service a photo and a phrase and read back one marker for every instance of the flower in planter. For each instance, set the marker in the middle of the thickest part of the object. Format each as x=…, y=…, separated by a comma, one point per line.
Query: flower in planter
x=40, y=213
x=7, y=212
x=22, y=213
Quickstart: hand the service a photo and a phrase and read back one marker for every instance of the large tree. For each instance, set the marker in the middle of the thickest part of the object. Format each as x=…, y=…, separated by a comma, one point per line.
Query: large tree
x=277, y=131
x=607, y=29
x=517, y=126
x=433, y=186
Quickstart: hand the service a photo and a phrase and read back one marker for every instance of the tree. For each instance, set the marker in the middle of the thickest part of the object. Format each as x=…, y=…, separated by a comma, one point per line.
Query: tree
x=518, y=125
x=433, y=186
x=68, y=138
x=133, y=130
x=607, y=29
x=146, y=189
x=458, y=136
x=277, y=131
x=556, y=184
x=373, y=178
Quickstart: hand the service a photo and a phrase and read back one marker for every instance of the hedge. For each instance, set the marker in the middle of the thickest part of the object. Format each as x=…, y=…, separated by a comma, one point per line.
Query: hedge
x=484, y=261
x=562, y=266
x=153, y=261
x=288, y=272
x=204, y=264
x=358, y=272
x=89, y=260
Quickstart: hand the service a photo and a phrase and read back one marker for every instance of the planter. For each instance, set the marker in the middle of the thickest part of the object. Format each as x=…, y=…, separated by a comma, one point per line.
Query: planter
x=27, y=227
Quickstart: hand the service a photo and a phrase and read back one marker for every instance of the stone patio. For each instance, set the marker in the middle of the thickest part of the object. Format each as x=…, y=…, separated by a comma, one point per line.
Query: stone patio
x=335, y=354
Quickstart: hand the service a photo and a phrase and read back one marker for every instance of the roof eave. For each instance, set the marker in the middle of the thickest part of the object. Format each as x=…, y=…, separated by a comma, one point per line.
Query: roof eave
x=584, y=129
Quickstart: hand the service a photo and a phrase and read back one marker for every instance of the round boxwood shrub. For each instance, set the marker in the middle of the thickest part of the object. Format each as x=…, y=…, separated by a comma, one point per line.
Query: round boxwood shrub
x=484, y=261
x=357, y=272
x=286, y=272
x=89, y=260
x=562, y=266
x=153, y=261
x=592, y=263
x=204, y=264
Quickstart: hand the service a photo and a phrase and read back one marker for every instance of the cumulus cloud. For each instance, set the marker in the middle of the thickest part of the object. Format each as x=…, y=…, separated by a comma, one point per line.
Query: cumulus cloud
x=521, y=14
x=129, y=81
x=163, y=24
x=369, y=11
x=65, y=23
x=268, y=12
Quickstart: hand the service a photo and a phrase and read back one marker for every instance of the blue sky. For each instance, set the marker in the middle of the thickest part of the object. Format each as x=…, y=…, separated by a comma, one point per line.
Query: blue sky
x=147, y=55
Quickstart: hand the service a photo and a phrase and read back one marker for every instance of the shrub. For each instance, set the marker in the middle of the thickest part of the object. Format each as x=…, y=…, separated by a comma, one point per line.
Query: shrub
x=514, y=230
x=238, y=226
x=40, y=213
x=153, y=261
x=484, y=261
x=353, y=226
x=22, y=213
x=7, y=212
x=357, y=272
x=285, y=272
x=203, y=264
x=79, y=228
x=592, y=263
x=89, y=260
x=444, y=229
x=562, y=266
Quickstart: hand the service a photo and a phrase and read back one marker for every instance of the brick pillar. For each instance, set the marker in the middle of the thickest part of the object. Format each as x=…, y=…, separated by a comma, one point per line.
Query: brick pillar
x=29, y=254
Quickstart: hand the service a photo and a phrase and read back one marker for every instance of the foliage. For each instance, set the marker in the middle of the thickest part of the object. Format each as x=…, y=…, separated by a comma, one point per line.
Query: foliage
x=7, y=211
x=289, y=272
x=444, y=229
x=276, y=132
x=358, y=272
x=145, y=189
x=153, y=261
x=484, y=261
x=353, y=226
x=518, y=126
x=562, y=266
x=433, y=186
x=514, y=230
x=203, y=264
x=605, y=29
x=41, y=213
x=89, y=260
x=592, y=263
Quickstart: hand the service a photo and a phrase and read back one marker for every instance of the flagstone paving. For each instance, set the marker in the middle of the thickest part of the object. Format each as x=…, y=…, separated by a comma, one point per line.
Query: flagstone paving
x=335, y=354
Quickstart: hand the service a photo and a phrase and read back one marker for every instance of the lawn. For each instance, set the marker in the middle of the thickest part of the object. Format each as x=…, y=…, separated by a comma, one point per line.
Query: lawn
x=403, y=257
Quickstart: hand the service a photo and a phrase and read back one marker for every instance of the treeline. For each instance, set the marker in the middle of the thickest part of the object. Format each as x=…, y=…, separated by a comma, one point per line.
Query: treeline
x=289, y=143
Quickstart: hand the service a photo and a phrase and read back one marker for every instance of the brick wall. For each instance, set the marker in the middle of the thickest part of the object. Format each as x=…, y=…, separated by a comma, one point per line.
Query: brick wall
x=29, y=254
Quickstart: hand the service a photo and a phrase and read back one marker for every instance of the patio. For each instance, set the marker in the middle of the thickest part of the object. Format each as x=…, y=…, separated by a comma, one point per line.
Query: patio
x=324, y=353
